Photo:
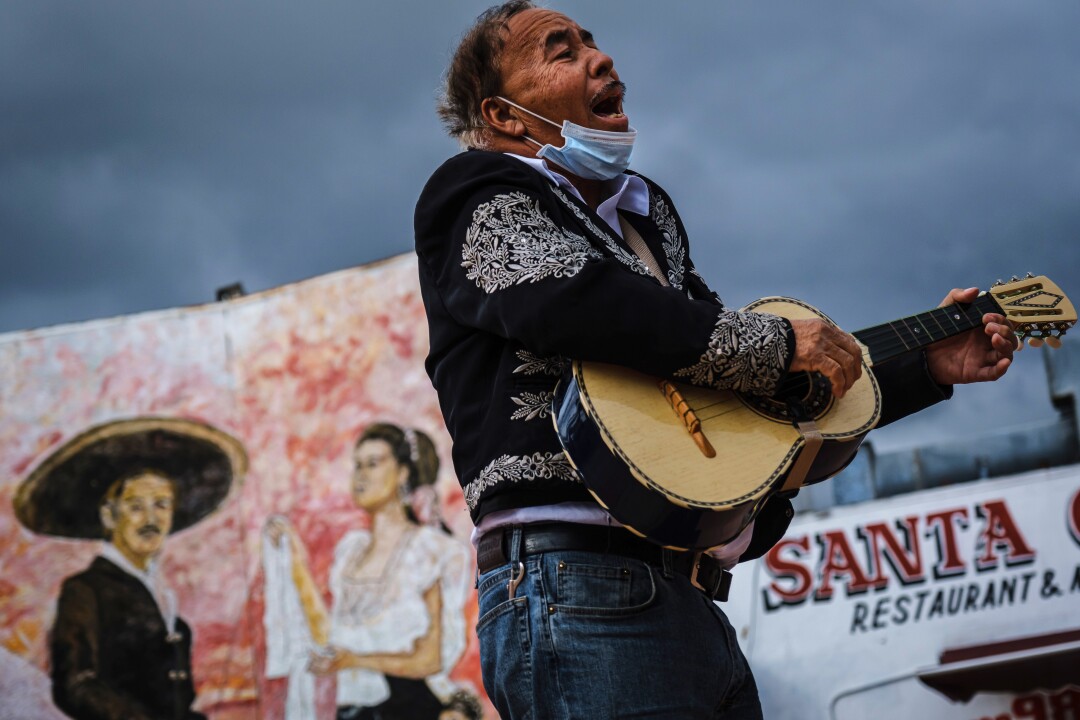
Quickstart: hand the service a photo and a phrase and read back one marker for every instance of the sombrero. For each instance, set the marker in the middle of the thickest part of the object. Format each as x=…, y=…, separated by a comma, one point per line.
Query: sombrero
x=61, y=496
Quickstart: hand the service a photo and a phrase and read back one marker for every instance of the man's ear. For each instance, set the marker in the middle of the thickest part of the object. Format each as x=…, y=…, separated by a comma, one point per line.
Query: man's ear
x=107, y=520
x=499, y=116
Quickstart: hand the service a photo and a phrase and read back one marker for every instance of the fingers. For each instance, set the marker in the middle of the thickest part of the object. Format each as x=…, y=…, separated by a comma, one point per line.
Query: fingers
x=960, y=295
x=1001, y=334
x=821, y=347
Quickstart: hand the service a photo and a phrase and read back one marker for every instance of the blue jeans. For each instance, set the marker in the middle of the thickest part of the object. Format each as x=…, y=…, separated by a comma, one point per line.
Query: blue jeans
x=589, y=636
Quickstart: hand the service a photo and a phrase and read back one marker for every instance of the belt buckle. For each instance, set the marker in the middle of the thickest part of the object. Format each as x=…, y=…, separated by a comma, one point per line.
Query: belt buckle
x=695, y=566
x=719, y=589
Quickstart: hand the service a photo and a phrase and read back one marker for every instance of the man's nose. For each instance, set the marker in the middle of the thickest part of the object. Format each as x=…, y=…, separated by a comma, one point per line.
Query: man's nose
x=601, y=64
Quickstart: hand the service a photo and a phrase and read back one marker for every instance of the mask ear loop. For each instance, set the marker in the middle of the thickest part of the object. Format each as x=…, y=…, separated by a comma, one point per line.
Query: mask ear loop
x=535, y=115
x=526, y=110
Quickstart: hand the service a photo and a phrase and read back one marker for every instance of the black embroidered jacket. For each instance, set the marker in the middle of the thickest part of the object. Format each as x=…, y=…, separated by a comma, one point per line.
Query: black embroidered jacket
x=518, y=275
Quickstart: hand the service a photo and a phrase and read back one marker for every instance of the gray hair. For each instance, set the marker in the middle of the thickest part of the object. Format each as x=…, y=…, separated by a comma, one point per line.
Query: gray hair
x=474, y=76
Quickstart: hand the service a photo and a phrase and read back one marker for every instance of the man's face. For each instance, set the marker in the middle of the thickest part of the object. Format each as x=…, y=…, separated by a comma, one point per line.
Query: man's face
x=551, y=66
x=141, y=517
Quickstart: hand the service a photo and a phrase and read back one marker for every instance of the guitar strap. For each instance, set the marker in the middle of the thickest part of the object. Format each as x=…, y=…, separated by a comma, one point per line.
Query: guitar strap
x=637, y=244
x=812, y=442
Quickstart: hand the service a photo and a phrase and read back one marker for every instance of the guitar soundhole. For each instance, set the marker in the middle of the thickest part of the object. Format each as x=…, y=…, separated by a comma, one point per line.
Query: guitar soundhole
x=809, y=395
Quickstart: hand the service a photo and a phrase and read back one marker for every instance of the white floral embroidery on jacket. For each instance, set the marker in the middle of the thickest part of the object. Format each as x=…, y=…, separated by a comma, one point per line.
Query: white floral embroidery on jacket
x=532, y=405
x=674, y=247
x=628, y=259
x=747, y=352
x=519, y=468
x=512, y=241
x=533, y=364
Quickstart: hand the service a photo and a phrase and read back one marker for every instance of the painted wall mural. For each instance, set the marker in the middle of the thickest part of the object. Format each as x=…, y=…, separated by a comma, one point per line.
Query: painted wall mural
x=238, y=510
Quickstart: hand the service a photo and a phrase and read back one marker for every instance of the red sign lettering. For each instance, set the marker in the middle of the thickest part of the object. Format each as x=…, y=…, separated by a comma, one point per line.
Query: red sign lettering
x=838, y=561
x=1000, y=531
x=783, y=570
x=870, y=556
x=905, y=558
x=943, y=524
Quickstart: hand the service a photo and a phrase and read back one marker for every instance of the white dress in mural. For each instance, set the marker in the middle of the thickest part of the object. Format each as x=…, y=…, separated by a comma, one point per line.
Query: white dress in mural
x=369, y=615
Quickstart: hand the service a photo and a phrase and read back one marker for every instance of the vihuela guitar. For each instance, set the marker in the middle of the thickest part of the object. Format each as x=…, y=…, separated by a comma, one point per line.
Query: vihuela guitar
x=689, y=467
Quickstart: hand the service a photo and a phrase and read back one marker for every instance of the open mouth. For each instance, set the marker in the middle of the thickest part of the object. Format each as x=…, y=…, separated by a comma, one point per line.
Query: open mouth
x=609, y=106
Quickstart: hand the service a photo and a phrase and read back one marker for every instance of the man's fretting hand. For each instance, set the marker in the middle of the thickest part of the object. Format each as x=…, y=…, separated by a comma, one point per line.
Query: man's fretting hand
x=822, y=347
x=978, y=355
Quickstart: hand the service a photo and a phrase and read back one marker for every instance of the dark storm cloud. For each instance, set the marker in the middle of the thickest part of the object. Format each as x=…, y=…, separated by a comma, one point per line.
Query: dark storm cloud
x=865, y=156
x=153, y=154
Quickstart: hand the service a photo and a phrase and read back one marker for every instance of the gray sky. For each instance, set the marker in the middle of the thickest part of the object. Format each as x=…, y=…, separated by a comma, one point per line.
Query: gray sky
x=865, y=157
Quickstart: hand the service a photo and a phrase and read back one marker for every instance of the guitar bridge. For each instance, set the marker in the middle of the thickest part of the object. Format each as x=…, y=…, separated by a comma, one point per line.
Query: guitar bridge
x=689, y=418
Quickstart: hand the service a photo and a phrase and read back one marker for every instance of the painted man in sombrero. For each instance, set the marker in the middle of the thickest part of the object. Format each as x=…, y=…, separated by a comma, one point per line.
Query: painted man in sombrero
x=119, y=647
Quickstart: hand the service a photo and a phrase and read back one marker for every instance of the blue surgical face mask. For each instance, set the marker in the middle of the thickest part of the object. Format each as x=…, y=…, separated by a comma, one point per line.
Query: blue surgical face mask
x=587, y=153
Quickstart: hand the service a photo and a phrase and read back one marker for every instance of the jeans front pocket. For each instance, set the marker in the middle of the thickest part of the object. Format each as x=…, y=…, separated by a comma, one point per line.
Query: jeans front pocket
x=588, y=584
x=505, y=644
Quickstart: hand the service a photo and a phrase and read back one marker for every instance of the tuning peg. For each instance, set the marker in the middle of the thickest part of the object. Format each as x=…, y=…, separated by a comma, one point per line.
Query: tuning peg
x=1035, y=342
x=1029, y=275
x=1054, y=341
x=1014, y=279
x=999, y=282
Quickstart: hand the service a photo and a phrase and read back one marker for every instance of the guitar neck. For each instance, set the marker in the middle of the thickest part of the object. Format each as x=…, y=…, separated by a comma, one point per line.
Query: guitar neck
x=895, y=338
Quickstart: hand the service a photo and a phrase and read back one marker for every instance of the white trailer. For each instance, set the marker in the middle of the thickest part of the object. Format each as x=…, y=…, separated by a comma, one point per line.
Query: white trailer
x=960, y=601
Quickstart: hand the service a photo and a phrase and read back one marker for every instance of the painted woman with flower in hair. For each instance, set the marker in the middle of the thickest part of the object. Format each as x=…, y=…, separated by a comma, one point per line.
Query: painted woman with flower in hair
x=396, y=626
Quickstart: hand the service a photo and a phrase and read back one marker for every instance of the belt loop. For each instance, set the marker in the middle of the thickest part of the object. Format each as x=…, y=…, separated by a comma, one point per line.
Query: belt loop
x=665, y=556
x=514, y=551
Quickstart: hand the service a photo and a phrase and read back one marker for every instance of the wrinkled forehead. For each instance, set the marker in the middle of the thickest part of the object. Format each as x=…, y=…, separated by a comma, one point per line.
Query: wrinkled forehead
x=529, y=33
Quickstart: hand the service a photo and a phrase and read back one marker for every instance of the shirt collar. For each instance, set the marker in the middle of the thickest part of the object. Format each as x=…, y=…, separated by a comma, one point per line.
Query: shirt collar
x=111, y=553
x=163, y=595
x=631, y=194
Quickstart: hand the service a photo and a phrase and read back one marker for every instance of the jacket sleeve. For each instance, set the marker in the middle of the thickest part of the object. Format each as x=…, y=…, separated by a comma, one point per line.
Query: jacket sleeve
x=75, y=641
x=501, y=261
x=907, y=387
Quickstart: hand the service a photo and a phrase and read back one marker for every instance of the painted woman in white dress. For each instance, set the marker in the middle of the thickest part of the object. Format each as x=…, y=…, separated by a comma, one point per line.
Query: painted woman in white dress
x=396, y=627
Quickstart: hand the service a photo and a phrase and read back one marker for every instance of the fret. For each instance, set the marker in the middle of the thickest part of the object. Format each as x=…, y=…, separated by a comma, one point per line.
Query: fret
x=952, y=316
x=916, y=337
x=929, y=333
x=972, y=321
x=944, y=332
x=987, y=304
x=899, y=335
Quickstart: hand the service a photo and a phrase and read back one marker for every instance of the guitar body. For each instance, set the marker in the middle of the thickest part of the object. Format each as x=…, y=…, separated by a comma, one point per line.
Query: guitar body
x=689, y=468
x=641, y=463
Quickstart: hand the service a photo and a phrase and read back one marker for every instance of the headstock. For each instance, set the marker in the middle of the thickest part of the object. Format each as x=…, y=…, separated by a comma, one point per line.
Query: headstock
x=1037, y=308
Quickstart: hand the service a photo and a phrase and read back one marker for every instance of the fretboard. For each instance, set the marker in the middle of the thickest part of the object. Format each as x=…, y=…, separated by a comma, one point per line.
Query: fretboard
x=891, y=339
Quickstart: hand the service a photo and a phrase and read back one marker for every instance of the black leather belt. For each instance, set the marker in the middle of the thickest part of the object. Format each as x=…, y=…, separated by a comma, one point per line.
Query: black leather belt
x=704, y=571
